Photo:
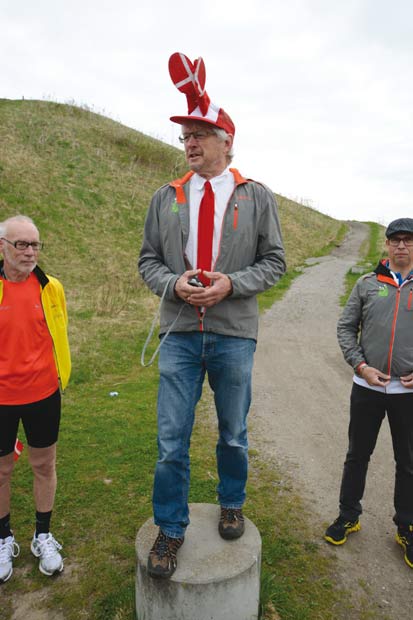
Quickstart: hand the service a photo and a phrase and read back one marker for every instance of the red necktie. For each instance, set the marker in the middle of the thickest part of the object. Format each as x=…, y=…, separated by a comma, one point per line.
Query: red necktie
x=205, y=232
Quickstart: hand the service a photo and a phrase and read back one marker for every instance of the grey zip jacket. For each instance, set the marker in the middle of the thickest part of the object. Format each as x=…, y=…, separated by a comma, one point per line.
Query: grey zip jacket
x=377, y=323
x=251, y=253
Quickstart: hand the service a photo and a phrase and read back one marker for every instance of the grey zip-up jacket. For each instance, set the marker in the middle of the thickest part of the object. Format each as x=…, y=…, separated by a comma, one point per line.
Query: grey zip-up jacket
x=377, y=323
x=251, y=253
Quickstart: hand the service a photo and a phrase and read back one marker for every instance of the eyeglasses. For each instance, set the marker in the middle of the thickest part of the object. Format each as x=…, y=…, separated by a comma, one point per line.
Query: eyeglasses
x=197, y=135
x=23, y=245
x=395, y=241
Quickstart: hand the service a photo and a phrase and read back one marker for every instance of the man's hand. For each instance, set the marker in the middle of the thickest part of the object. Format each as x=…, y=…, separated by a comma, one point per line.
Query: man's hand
x=220, y=287
x=407, y=380
x=374, y=376
x=183, y=290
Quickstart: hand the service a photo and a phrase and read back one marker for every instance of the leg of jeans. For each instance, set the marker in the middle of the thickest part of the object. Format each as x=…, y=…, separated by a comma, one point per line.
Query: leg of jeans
x=229, y=364
x=180, y=387
x=367, y=410
x=400, y=414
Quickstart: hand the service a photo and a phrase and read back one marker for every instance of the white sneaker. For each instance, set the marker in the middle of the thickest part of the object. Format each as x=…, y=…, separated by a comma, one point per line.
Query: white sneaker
x=45, y=547
x=9, y=549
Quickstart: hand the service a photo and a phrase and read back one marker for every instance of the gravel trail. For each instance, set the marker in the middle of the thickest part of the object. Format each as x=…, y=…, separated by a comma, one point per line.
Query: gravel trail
x=299, y=420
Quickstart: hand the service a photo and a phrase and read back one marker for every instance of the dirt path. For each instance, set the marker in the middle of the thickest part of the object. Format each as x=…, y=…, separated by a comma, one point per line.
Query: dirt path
x=299, y=420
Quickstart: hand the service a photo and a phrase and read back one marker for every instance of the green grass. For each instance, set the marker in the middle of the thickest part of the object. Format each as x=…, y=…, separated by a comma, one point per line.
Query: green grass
x=371, y=255
x=295, y=265
x=87, y=182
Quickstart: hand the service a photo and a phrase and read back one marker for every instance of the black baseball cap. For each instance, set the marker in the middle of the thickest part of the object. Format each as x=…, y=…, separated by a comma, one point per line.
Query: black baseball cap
x=402, y=225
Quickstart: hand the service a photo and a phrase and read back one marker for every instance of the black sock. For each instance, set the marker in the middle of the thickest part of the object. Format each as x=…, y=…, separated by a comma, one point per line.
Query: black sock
x=43, y=522
x=5, y=530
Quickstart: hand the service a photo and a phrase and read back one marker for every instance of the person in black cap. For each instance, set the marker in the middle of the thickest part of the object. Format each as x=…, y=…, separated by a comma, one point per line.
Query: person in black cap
x=375, y=333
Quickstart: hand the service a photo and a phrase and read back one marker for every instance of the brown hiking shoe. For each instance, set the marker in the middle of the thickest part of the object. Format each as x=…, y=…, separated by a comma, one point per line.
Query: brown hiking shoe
x=231, y=523
x=162, y=557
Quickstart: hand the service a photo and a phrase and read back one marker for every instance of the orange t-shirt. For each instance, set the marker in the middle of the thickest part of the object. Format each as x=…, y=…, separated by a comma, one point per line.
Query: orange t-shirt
x=27, y=367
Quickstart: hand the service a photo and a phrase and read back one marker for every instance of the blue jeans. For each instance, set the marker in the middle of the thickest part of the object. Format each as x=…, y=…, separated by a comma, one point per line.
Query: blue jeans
x=184, y=359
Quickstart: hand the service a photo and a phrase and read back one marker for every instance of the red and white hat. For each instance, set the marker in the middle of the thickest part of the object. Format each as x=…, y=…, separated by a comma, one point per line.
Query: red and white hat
x=189, y=78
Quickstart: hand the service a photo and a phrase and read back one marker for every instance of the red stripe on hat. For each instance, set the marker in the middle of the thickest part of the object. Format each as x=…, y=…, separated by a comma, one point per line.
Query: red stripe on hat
x=189, y=78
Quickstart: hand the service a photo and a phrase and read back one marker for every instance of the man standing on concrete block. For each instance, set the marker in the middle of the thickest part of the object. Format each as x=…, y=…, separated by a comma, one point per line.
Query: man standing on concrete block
x=212, y=241
x=375, y=334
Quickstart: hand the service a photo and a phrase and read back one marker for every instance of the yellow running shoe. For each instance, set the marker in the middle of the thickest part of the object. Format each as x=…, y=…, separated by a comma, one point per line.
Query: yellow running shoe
x=337, y=532
x=404, y=537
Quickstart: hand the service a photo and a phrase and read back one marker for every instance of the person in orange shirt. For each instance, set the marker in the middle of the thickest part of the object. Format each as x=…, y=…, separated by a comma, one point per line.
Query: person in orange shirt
x=34, y=366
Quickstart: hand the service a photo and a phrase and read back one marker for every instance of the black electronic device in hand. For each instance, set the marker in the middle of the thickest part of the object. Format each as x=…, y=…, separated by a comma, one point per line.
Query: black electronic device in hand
x=194, y=281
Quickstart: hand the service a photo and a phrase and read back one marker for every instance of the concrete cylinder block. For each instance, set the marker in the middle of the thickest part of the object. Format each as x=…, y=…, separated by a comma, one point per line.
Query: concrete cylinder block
x=215, y=579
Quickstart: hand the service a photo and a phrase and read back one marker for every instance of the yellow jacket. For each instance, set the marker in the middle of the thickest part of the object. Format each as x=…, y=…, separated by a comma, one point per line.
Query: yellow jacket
x=54, y=307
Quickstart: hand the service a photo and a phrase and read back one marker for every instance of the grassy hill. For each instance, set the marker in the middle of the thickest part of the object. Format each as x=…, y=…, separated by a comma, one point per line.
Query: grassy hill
x=87, y=181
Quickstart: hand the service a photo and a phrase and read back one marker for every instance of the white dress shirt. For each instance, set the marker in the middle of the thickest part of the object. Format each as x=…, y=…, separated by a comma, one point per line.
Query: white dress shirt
x=222, y=186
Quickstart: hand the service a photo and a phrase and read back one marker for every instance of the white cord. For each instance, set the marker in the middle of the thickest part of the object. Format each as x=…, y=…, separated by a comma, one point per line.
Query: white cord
x=152, y=329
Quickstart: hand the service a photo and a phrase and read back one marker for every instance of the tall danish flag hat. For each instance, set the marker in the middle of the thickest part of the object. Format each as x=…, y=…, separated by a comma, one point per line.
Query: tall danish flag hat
x=189, y=78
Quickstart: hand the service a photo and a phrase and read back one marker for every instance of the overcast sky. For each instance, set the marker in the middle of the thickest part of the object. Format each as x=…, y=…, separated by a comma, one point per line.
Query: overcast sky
x=320, y=91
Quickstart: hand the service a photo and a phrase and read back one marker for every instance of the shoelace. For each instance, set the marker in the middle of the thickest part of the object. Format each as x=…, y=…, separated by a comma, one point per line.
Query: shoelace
x=49, y=546
x=231, y=515
x=8, y=550
x=340, y=522
x=166, y=546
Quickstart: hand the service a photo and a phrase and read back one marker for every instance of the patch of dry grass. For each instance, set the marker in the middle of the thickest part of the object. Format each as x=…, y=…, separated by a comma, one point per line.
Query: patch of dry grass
x=87, y=181
x=305, y=230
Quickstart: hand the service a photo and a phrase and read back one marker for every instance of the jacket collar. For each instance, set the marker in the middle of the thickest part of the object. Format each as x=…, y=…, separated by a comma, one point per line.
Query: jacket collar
x=384, y=274
x=178, y=184
x=382, y=268
x=39, y=273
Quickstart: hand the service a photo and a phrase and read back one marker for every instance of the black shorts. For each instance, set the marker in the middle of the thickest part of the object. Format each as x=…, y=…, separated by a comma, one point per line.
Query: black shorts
x=40, y=420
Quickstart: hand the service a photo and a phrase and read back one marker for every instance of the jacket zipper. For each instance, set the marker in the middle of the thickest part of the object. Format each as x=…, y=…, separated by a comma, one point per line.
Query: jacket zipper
x=409, y=300
x=201, y=315
x=235, y=223
x=393, y=330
